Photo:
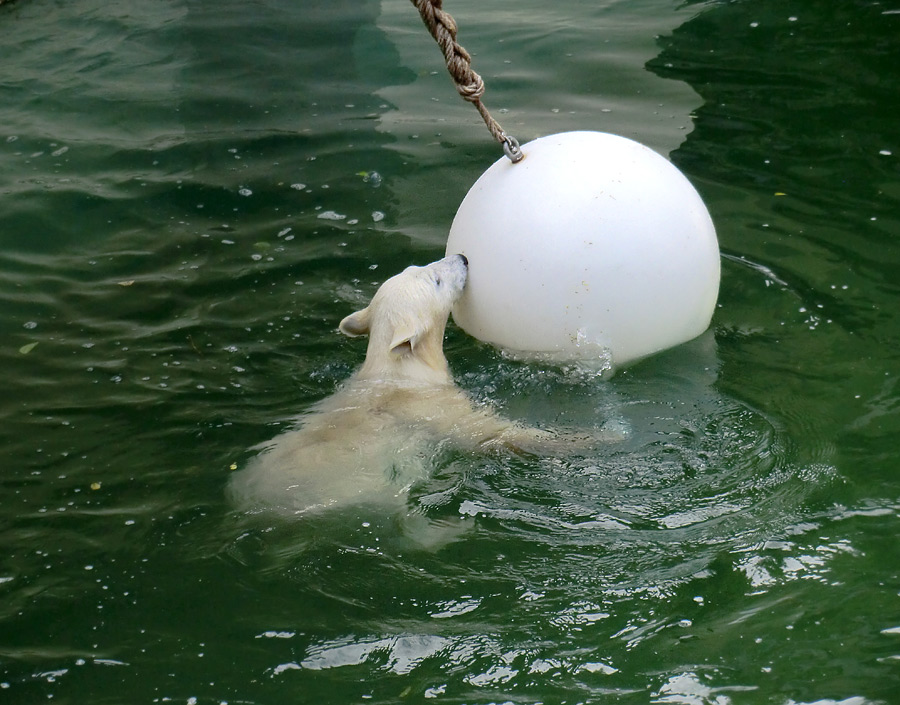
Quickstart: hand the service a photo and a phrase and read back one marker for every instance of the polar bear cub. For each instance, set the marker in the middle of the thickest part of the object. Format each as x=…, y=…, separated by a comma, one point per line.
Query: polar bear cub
x=372, y=439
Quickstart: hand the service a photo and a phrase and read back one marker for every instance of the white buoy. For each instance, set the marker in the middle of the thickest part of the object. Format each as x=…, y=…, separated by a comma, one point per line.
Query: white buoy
x=593, y=241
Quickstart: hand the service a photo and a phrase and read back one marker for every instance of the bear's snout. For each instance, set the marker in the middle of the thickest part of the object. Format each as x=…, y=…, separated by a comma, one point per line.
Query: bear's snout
x=452, y=270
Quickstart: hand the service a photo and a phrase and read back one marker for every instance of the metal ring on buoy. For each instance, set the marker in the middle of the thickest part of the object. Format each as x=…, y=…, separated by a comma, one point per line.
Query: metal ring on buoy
x=512, y=150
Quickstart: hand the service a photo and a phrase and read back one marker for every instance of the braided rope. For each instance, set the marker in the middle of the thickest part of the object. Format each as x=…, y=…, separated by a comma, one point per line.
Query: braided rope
x=469, y=84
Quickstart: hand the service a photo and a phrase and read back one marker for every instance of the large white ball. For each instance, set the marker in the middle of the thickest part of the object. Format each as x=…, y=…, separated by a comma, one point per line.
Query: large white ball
x=592, y=241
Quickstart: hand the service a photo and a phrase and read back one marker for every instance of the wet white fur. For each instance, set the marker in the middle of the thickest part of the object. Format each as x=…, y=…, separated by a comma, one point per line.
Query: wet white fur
x=374, y=437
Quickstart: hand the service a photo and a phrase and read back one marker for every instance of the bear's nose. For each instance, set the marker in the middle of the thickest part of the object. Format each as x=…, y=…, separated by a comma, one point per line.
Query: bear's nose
x=465, y=260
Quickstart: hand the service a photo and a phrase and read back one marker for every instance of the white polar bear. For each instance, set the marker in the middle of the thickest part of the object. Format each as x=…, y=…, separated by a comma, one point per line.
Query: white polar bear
x=371, y=440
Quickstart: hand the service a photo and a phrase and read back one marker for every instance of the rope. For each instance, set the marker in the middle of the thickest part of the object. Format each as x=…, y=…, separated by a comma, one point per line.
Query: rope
x=459, y=63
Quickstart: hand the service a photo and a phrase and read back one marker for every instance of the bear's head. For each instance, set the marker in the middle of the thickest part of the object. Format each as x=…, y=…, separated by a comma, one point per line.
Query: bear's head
x=405, y=322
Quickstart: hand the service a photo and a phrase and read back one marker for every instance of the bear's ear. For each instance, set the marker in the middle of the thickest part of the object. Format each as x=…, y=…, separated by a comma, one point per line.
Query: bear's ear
x=405, y=337
x=356, y=323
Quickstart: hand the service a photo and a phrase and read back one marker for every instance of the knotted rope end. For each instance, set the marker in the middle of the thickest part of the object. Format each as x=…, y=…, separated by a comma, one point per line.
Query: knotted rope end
x=469, y=84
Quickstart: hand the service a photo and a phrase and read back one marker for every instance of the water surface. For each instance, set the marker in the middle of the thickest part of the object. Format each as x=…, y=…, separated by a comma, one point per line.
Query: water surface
x=191, y=198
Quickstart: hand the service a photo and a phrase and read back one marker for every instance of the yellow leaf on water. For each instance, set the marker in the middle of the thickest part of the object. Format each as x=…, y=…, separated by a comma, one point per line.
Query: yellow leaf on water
x=95, y=485
x=779, y=193
x=233, y=466
x=127, y=282
x=25, y=349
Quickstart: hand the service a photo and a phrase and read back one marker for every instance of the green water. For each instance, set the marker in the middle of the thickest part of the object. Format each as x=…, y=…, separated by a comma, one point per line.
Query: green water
x=192, y=195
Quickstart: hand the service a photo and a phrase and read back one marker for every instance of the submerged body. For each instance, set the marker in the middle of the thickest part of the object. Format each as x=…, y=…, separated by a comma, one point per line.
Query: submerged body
x=368, y=443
